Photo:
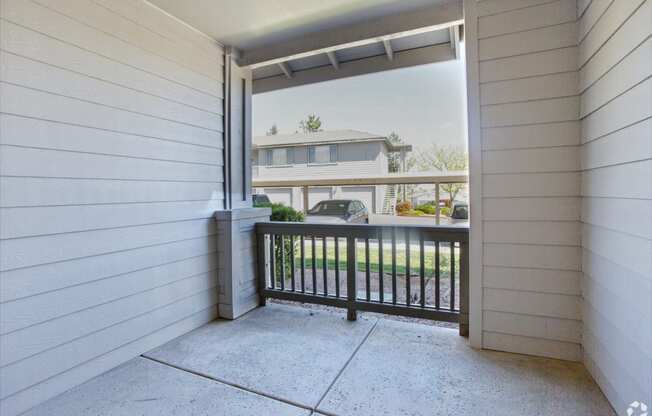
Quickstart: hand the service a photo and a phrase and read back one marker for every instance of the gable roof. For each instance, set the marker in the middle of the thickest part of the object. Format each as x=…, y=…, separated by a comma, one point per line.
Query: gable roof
x=324, y=137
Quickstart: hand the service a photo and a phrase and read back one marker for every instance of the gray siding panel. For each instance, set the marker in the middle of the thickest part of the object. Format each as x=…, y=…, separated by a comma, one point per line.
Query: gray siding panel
x=111, y=171
x=616, y=66
x=531, y=177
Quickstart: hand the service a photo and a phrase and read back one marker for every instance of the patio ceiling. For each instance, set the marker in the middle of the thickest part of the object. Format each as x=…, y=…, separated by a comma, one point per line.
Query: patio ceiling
x=296, y=42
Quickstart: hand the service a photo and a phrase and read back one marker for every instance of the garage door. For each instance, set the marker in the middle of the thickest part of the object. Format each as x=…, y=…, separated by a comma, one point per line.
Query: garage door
x=366, y=194
x=280, y=195
x=318, y=194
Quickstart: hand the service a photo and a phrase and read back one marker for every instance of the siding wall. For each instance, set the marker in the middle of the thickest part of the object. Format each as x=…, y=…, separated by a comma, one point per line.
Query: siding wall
x=529, y=108
x=353, y=160
x=615, y=61
x=111, y=168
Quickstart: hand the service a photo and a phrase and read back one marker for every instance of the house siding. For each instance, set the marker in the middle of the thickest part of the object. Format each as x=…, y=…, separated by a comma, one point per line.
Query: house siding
x=529, y=122
x=353, y=160
x=615, y=61
x=111, y=170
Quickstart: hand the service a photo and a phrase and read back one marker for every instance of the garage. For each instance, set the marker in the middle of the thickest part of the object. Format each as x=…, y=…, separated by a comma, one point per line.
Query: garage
x=319, y=194
x=280, y=195
x=366, y=194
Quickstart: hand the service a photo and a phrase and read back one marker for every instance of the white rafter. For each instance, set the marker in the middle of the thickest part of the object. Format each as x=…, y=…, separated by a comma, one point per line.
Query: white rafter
x=333, y=58
x=388, y=49
x=286, y=69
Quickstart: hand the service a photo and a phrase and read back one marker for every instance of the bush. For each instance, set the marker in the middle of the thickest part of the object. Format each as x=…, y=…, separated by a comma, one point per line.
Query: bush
x=411, y=213
x=427, y=208
x=403, y=206
x=445, y=211
x=282, y=213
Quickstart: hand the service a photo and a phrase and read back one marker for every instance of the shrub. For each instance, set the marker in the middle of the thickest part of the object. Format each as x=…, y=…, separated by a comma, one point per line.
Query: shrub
x=411, y=213
x=445, y=211
x=403, y=206
x=427, y=209
x=282, y=213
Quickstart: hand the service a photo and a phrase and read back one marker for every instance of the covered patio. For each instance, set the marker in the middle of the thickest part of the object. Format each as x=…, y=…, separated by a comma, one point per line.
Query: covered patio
x=134, y=270
x=291, y=360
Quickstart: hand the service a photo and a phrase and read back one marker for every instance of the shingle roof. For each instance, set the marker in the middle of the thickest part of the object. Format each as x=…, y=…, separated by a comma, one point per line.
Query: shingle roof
x=323, y=137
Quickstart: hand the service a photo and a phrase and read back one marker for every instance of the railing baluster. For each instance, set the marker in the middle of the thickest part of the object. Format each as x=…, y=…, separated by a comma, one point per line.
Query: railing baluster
x=407, y=266
x=337, y=267
x=324, y=262
x=452, y=289
x=314, y=267
x=272, y=261
x=292, y=262
x=381, y=268
x=282, y=242
x=422, y=271
x=437, y=274
x=303, y=264
x=351, y=266
x=367, y=269
x=394, y=265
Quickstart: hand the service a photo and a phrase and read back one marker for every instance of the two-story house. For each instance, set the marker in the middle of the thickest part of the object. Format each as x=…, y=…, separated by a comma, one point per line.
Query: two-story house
x=325, y=154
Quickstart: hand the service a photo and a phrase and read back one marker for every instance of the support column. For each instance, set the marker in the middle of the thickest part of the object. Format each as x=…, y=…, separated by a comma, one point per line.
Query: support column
x=237, y=278
x=306, y=199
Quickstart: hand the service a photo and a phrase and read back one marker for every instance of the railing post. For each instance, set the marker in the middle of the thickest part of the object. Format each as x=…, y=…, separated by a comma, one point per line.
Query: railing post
x=464, y=289
x=437, y=209
x=261, y=247
x=351, y=266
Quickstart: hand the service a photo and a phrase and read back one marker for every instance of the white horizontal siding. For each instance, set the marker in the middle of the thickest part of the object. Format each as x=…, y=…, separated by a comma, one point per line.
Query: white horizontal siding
x=615, y=56
x=530, y=109
x=111, y=172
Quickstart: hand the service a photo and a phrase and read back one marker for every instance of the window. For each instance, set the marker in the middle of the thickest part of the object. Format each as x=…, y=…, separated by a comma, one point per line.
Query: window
x=323, y=154
x=280, y=156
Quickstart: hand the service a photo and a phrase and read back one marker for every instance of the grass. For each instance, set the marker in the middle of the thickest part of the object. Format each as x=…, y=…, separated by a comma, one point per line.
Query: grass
x=374, y=260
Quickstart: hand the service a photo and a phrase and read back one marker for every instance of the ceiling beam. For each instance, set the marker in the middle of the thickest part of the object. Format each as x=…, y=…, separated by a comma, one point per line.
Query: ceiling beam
x=402, y=59
x=443, y=15
x=286, y=69
x=455, y=40
x=388, y=49
x=333, y=58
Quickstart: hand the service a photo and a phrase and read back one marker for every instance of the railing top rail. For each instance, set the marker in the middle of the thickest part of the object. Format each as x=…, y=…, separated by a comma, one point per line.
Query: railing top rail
x=437, y=233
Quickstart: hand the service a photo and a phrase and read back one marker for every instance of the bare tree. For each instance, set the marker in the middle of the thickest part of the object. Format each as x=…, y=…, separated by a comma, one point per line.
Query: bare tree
x=444, y=159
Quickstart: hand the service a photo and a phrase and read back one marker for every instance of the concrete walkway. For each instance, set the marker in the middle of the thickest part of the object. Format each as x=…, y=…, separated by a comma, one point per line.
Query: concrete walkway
x=286, y=360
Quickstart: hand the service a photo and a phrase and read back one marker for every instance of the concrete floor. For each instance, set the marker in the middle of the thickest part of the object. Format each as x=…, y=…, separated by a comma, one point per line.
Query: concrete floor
x=287, y=360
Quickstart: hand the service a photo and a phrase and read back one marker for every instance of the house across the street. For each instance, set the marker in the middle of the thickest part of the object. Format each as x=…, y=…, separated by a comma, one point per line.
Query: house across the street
x=325, y=154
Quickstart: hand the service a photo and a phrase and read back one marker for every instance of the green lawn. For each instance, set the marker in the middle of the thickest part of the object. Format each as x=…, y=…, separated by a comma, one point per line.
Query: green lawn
x=429, y=258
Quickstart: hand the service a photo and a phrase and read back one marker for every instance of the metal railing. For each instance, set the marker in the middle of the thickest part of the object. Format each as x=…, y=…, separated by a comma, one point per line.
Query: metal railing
x=413, y=271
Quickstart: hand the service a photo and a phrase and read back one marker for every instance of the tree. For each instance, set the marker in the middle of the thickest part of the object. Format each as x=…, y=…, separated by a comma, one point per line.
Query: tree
x=273, y=131
x=311, y=124
x=394, y=158
x=444, y=159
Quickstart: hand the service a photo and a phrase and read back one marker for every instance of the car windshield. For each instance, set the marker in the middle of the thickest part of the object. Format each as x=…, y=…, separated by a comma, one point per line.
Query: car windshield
x=330, y=208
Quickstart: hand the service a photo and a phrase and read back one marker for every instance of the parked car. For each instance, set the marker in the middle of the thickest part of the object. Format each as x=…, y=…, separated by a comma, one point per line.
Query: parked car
x=339, y=211
x=460, y=212
x=260, y=199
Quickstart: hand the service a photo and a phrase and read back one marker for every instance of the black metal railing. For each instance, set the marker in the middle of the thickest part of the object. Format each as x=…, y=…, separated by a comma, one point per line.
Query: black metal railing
x=414, y=271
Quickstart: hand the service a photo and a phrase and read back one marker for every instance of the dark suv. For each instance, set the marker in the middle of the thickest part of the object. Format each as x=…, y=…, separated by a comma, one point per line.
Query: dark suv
x=339, y=211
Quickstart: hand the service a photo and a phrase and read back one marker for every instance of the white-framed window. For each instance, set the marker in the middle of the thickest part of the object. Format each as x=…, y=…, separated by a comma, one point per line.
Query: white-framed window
x=280, y=156
x=322, y=154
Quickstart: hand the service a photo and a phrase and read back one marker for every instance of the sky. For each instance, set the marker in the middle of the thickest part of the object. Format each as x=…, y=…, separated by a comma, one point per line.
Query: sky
x=423, y=105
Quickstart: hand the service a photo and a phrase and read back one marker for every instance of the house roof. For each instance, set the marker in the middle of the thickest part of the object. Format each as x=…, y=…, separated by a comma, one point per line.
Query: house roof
x=325, y=137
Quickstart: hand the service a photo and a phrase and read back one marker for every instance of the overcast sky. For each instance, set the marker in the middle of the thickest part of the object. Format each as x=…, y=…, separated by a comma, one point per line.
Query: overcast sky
x=423, y=104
